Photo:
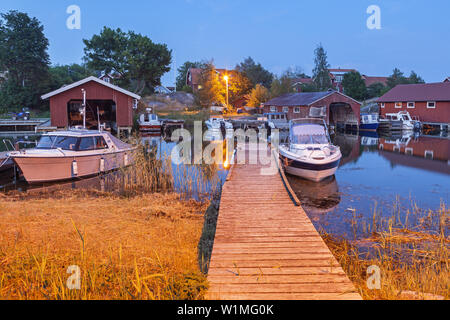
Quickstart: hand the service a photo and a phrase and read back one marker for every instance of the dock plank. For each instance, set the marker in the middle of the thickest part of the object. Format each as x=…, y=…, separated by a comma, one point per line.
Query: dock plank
x=267, y=248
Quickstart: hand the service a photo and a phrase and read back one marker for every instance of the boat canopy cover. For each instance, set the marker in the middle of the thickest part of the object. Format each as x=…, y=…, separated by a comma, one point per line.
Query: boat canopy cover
x=308, y=129
x=119, y=143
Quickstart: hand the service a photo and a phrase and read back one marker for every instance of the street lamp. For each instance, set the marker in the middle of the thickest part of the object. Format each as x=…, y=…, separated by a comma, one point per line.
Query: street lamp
x=226, y=79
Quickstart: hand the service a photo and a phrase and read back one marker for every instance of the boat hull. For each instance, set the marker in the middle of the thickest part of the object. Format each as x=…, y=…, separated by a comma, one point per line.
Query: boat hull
x=309, y=171
x=47, y=169
x=150, y=128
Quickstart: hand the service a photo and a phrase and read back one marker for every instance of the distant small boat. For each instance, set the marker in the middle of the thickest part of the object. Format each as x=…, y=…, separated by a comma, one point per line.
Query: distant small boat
x=149, y=122
x=369, y=122
x=277, y=120
x=64, y=155
x=310, y=153
x=218, y=124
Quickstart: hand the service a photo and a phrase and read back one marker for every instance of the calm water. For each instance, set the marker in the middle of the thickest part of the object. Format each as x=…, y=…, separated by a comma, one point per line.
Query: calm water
x=399, y=176
x=392, y=177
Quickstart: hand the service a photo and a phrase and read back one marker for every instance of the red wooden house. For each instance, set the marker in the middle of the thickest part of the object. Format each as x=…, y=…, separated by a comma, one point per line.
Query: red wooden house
x=429, y=102
x=112, y=104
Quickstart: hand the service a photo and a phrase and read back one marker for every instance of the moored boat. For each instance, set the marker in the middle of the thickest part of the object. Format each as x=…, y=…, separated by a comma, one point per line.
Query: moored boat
x=369, y=122
x=149, y=122
x=216, y=123
x=310, y=153
x=64, y=155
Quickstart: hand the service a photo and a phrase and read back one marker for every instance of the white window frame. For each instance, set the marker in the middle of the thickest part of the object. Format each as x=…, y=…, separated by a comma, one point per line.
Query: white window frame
x=297, y=109
x=382, y=105
x=396, y=148
x=430, y=152
x=273, y=109
x=428, y=104
x=411, y=107
x=409, y=151
x=286, y=109
x=401, y=105
x=381, y=146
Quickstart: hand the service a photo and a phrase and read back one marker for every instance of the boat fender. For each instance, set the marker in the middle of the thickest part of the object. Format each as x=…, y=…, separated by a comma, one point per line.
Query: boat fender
x=74, y=168
x=125, y=159
x=102, y=165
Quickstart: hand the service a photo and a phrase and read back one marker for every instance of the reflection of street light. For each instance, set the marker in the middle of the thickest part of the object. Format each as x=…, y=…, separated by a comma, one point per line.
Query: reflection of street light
x=226, y=79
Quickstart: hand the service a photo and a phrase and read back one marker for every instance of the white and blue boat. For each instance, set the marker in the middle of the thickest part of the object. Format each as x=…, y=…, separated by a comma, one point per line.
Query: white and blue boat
x=310, y=153
x=369, y=122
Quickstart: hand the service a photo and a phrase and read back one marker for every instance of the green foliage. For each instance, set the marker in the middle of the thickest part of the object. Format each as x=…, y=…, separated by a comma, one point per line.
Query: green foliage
x=354, y=85
x=255, y=72
x=415, y=78
x=210, y=90
x=67, y=74
x=321, y=74
x=258, y=95
x=24, y=58
x=398, y=77
x=238, y=86
x=375, y=90
x=281, y=85
x=139, y=62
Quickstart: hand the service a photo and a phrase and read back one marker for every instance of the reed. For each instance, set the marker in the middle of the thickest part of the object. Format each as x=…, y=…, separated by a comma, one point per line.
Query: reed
x=410, y=248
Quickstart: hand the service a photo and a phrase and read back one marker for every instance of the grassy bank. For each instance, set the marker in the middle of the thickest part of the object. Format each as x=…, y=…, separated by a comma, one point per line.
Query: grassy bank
x=139, y=247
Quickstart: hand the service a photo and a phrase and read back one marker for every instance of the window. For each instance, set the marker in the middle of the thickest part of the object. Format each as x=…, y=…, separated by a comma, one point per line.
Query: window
x=297, y=110
x=396, y=149
x=411, y=105
x=87, y=144
x=409, y=151
x=107, y=80
x=381, y=146
x=100, y=143
x=273, y=109
x=53, y=142
x=382, y=106
x=431, y=105
x=429, y=154
x=398, y=105
x=286, y=109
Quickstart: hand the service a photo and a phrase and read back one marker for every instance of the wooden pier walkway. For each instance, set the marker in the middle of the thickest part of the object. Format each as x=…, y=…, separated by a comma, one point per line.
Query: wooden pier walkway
x=266, y=247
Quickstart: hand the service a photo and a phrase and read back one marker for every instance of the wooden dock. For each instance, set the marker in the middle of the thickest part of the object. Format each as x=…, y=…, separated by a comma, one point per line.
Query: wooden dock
x=266, y=247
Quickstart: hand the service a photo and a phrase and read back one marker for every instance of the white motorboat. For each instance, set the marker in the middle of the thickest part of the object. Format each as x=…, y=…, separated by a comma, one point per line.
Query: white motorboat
x=407, y=122
x=277, y=120
x=310, y=153
x=76, y=153
x=215, y=123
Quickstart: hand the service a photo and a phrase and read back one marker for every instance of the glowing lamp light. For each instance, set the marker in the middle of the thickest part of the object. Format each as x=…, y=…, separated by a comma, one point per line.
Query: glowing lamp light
x=225, y=78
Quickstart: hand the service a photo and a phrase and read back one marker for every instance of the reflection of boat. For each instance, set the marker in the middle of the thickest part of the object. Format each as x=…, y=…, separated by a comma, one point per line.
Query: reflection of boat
x=72, y=154
x=316, y=197
x=310, y=154
x=369, y=122
x=149, y=121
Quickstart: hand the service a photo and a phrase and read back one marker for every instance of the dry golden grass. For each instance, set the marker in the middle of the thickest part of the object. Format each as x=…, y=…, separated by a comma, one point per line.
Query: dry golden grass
x=142, y=247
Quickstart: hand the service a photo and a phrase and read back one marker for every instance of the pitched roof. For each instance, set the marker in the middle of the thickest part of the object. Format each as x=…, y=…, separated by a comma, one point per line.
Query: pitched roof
x=371, y=80
x=92, y=78
x=447, y=79
x=298, y=99
x=418, y=92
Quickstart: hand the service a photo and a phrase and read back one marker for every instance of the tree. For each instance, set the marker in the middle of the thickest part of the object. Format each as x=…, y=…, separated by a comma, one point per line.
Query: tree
x=66, y=74
x=258, y=95
x=238, y=86
x=295, y=73
x=375, y=90
x=210, y=88
x=255, y=72
x=139, y=62
x=354, y=85
x=281, y=85
x=415, y=78
x=182, y=73
x=24, y=59
x=397, y=77
x=321, y=75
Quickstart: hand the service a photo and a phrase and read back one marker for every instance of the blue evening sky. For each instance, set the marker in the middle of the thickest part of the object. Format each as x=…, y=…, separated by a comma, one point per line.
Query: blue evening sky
x=415, y=34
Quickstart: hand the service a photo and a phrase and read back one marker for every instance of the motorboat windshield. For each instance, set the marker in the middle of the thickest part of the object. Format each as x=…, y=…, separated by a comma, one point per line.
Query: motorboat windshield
x=57, y=142
x=309, y=133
